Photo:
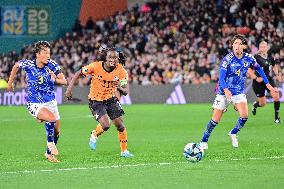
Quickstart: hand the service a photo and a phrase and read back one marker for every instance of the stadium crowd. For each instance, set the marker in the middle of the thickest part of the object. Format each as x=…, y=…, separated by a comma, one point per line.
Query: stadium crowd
x=168, y=41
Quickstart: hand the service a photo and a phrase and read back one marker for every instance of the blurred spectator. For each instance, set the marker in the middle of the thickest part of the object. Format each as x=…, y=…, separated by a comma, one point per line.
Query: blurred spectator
x=90, y=24
x=78, y=28
x=3, y=83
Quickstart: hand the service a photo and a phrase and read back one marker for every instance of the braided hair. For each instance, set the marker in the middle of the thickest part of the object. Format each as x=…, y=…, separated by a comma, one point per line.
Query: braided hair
x=103, y=52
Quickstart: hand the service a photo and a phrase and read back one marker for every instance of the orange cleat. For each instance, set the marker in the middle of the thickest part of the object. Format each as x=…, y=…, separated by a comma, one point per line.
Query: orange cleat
x=51, y=158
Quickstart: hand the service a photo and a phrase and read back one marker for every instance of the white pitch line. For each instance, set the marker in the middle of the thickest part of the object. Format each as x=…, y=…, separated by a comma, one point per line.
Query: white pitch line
x=131, y=165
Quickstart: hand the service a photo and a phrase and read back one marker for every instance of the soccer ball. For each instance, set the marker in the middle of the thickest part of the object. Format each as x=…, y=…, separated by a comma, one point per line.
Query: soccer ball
x=193, y=152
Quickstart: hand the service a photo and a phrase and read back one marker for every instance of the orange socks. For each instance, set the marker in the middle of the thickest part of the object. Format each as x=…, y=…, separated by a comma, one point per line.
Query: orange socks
x=122, y=136
x=99, y=130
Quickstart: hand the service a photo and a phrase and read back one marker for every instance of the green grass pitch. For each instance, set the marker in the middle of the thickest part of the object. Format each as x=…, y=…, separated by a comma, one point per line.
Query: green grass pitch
x=156, y=135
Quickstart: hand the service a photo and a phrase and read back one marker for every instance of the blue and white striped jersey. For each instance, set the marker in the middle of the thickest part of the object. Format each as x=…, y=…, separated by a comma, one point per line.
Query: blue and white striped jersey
x=40, y=87
x=234, y=72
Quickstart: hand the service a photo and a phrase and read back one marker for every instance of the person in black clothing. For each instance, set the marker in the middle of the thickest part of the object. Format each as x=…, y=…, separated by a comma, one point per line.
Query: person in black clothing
x=266, y=61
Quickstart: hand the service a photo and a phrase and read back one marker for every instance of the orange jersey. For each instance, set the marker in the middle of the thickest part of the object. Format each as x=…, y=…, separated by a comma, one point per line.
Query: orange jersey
x=104, y=84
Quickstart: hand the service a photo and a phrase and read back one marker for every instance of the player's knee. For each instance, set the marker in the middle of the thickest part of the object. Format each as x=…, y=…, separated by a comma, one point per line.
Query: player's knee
x=262, y=103
x=51, y=117
x=105, y=125
x=120, y=127
x=276, y=97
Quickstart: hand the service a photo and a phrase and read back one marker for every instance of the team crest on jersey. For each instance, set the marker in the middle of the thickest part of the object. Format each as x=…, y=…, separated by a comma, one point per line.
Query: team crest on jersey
x=225, y=64
x=116, y=78
x=85, y=70
x=246, y=64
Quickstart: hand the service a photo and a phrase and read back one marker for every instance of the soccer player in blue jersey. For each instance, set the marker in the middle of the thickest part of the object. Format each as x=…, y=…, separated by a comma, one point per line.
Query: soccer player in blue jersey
x=233, y=69
x=41, y=75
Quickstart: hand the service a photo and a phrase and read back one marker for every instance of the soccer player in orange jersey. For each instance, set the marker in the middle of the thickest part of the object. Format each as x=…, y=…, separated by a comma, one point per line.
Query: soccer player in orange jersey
x=107, y=77
x=101, y=56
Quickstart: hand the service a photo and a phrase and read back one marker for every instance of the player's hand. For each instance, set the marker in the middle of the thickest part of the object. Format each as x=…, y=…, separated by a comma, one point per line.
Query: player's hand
x=10, y=87
x=259, y=79
x=272, y=89
x=68, y=95
x=228, y=94
x=52, y=75
x=116, y=84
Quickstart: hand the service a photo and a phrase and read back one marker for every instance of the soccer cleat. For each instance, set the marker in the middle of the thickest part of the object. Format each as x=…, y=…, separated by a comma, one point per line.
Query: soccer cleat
x=51, y=158
x=253, y=111
x=52, y=148
x=234, y=140
x=204, y=145
x=278, y=120
x=126, y=154
x=93, y=141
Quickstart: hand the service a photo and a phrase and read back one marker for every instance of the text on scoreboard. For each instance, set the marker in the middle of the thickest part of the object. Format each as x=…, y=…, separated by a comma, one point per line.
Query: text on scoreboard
x=25, y=20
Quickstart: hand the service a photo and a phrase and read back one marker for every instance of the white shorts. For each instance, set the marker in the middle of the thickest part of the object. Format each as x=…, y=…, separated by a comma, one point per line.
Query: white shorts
x=34, y=108
x=222, y=103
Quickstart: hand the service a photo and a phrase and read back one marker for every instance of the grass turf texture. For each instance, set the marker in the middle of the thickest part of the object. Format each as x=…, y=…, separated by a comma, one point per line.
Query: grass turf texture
x=157, y=135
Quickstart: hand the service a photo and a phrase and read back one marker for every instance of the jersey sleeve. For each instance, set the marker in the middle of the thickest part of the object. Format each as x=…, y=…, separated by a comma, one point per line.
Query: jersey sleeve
x=261, y=73
x=123, y=77
x=88, y=69
x=256, y=58
x=223, y=72
x=23, y=64
x=54, y=66
x=224, y=64
x=253, y=61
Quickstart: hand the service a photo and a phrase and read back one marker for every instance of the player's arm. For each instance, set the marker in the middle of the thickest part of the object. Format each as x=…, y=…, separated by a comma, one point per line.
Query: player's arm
x=82, y=72
x=56, y=74
x=265, y=80
x=123, y=89
x=254, y=76
x=12, y=76
x=275, y=69
x=123, y=83
x=70, y=87
x=60, y=79
x=222, y=82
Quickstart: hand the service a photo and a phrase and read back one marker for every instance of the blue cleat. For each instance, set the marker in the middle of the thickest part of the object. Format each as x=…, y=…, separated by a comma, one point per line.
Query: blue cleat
x=93, y=143
x=126, y=154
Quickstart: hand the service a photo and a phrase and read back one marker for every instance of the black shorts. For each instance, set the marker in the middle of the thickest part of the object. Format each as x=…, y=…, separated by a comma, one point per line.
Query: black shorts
x=111, y=107
x=259, y=88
